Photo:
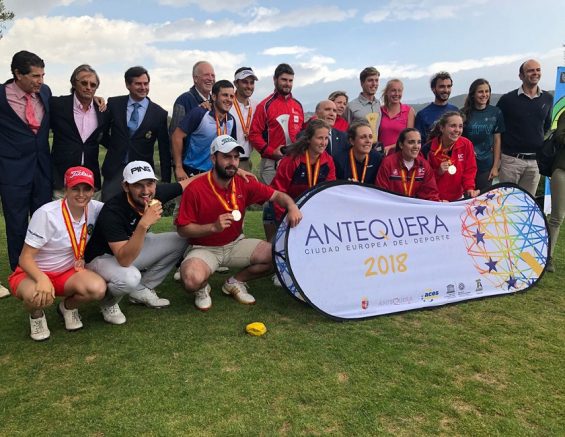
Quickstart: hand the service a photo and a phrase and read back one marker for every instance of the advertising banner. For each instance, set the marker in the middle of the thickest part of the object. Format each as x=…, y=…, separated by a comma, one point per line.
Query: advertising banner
x=360, y=252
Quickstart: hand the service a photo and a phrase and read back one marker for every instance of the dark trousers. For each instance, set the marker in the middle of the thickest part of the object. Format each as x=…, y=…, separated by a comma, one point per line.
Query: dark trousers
x=112, y=186
x=18, y=204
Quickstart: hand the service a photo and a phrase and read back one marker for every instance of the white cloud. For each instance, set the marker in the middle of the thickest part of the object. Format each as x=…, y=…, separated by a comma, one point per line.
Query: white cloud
x=211, y=6
x=402, y=10
x=262, y=20
x=24, y=8
x=290, y=50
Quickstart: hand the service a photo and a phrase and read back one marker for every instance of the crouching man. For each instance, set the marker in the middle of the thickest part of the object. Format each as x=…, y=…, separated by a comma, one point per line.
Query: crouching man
x=132, y=260
x=52, y=260
x=211, y=216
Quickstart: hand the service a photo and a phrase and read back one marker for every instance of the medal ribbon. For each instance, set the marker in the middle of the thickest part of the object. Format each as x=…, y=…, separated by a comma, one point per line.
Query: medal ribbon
x=78, y=247
x=244, y=125
x=218, y=126
x=354, y=166
x=312, y=180
x=407, y=190
x=444, y=153
x=220, y=198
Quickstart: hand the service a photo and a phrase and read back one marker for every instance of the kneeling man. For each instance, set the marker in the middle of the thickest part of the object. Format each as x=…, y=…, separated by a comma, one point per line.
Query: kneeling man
x=52, y=259
x=211, y=216
x=130, y=258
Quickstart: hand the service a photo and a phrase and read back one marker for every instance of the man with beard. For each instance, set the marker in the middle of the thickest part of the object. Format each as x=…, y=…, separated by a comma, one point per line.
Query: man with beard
x=441, y=85
x=367, y=106
x=132, y=260
x=211, y=216
x=527, y=116
x=278, y=120
x=242, y=110
x=192, y=138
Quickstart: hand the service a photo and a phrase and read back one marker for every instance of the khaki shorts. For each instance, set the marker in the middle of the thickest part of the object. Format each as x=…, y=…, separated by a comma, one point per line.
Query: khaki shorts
x=236, y=254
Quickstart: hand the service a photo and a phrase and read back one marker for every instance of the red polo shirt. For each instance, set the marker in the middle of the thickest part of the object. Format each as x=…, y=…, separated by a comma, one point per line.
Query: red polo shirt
x=200, y=205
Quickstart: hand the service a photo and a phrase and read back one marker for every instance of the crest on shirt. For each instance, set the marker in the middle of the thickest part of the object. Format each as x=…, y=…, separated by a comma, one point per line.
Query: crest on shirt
x=421, y=171
x=90, y=229
x=394, y=172
x=460, y=156
x=148, y=134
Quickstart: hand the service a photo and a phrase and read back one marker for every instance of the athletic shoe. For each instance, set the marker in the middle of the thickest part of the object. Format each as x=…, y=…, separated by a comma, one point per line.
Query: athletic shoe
x=202, y=299
x=238, y=290
x=71, y=317
x=113, y=314
x=550, y=267
x=4, y=292
x=222, y=269
x=276, y=281
x=39, y=329
x=149, y=298
x=176, y=276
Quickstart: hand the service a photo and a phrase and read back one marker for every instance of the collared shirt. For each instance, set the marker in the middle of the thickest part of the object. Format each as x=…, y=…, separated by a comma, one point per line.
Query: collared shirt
x=362, y=108
x=17, y=100
x=538, y=92
x=141, y=110
x=242, y=139
x=86, y=121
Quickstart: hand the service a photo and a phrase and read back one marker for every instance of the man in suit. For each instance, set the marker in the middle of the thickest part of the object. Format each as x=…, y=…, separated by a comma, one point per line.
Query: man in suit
x=135, y=123
x=77, y=125
x=25, y=162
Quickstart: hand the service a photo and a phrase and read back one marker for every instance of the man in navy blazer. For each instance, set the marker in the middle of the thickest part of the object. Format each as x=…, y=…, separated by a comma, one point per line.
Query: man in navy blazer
x=327, y=111
x=135, y=123
x=25, y=162
x=78, y=126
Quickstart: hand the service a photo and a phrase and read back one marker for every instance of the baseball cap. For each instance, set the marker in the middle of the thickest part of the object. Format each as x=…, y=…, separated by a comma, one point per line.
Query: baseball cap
x=136, y=171
x=78, y=175
x=248, y=72
x=225, y=144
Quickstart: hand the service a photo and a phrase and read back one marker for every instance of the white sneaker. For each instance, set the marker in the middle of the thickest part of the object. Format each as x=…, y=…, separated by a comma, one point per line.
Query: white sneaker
x=202, y=299
x=113, y=314
x=4, y=292
x=39, y=329
x=276, y=281
x=239, y=291
x=176, y=276
x=149, y=298
x=71, y=317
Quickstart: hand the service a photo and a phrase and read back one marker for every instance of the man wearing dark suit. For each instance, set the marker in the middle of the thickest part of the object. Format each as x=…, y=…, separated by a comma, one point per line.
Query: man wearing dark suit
x=135, y=123
x=77, y=125
x=327, y=111
x=25, y=162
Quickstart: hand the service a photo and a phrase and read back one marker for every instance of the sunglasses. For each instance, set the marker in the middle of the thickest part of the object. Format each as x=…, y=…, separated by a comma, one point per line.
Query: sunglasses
x=86, y=83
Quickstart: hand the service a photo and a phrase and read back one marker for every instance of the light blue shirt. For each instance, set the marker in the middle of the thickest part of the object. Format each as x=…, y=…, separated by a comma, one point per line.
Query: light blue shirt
x=141, y=110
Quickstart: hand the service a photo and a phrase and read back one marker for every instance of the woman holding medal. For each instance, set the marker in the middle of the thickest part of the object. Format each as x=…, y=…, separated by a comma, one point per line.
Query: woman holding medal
x=452, y=157
x=405, y=171
x=360, y=162
x=52, y=260
x=305, y=164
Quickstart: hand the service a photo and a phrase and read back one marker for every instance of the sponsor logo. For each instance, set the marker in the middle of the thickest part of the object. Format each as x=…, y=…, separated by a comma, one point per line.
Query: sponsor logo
x=402, y=300
x=461, y=286
x=479, y=285
x=76, y=173
x=450, y=289
x=140, y=169
x=364, y=302
x=430, y=295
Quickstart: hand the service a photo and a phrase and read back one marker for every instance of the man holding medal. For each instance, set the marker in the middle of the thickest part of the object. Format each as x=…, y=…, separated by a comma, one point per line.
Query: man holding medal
x=242, y=111
x=132, y=260
x=211, y=216
x=52, y=260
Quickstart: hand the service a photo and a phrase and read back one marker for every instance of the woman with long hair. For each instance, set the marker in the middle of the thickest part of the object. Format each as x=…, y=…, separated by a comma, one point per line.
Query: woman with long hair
x=452, y=158
x=396, y=116
x=405, y=171
x=305, y=164
x=360, y=162
x=483, y=125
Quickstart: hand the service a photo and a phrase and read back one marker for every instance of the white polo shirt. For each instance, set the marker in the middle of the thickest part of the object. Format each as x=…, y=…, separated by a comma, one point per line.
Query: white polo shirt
x=241, y=140
x=47, y=232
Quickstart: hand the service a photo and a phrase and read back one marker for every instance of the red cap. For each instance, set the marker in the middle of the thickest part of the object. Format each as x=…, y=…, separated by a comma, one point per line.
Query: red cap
x=78, y=175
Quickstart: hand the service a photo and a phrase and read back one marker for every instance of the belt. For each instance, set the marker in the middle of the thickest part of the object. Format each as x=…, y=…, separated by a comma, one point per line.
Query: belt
x=522, y=155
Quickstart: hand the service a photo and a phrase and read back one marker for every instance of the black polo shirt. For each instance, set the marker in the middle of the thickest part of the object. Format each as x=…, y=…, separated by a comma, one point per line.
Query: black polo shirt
x=117, y=220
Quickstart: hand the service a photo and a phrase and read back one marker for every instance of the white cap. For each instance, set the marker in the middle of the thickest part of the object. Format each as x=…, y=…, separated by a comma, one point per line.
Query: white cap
x=244, y=74
x=136, y=171
x=225, y=144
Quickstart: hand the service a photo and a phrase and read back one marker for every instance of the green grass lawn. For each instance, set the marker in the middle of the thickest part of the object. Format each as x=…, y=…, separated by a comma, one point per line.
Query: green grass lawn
x=484, y=367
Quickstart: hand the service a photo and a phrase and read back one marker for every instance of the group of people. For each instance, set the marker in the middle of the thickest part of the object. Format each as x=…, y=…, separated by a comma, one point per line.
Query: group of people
x=84, y=249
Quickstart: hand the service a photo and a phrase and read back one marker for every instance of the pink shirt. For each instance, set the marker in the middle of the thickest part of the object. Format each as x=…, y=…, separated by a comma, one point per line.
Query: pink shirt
x=391, y=127
x=86, y=122
x=17, y=99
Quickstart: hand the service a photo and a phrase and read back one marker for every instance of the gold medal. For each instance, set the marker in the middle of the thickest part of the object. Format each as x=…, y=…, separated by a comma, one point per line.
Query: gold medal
x=236, y=215
x=79, y=264
x=452, y=169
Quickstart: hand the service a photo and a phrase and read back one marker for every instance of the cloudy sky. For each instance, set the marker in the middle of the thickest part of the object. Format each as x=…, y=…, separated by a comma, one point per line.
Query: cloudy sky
x=327, y=42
